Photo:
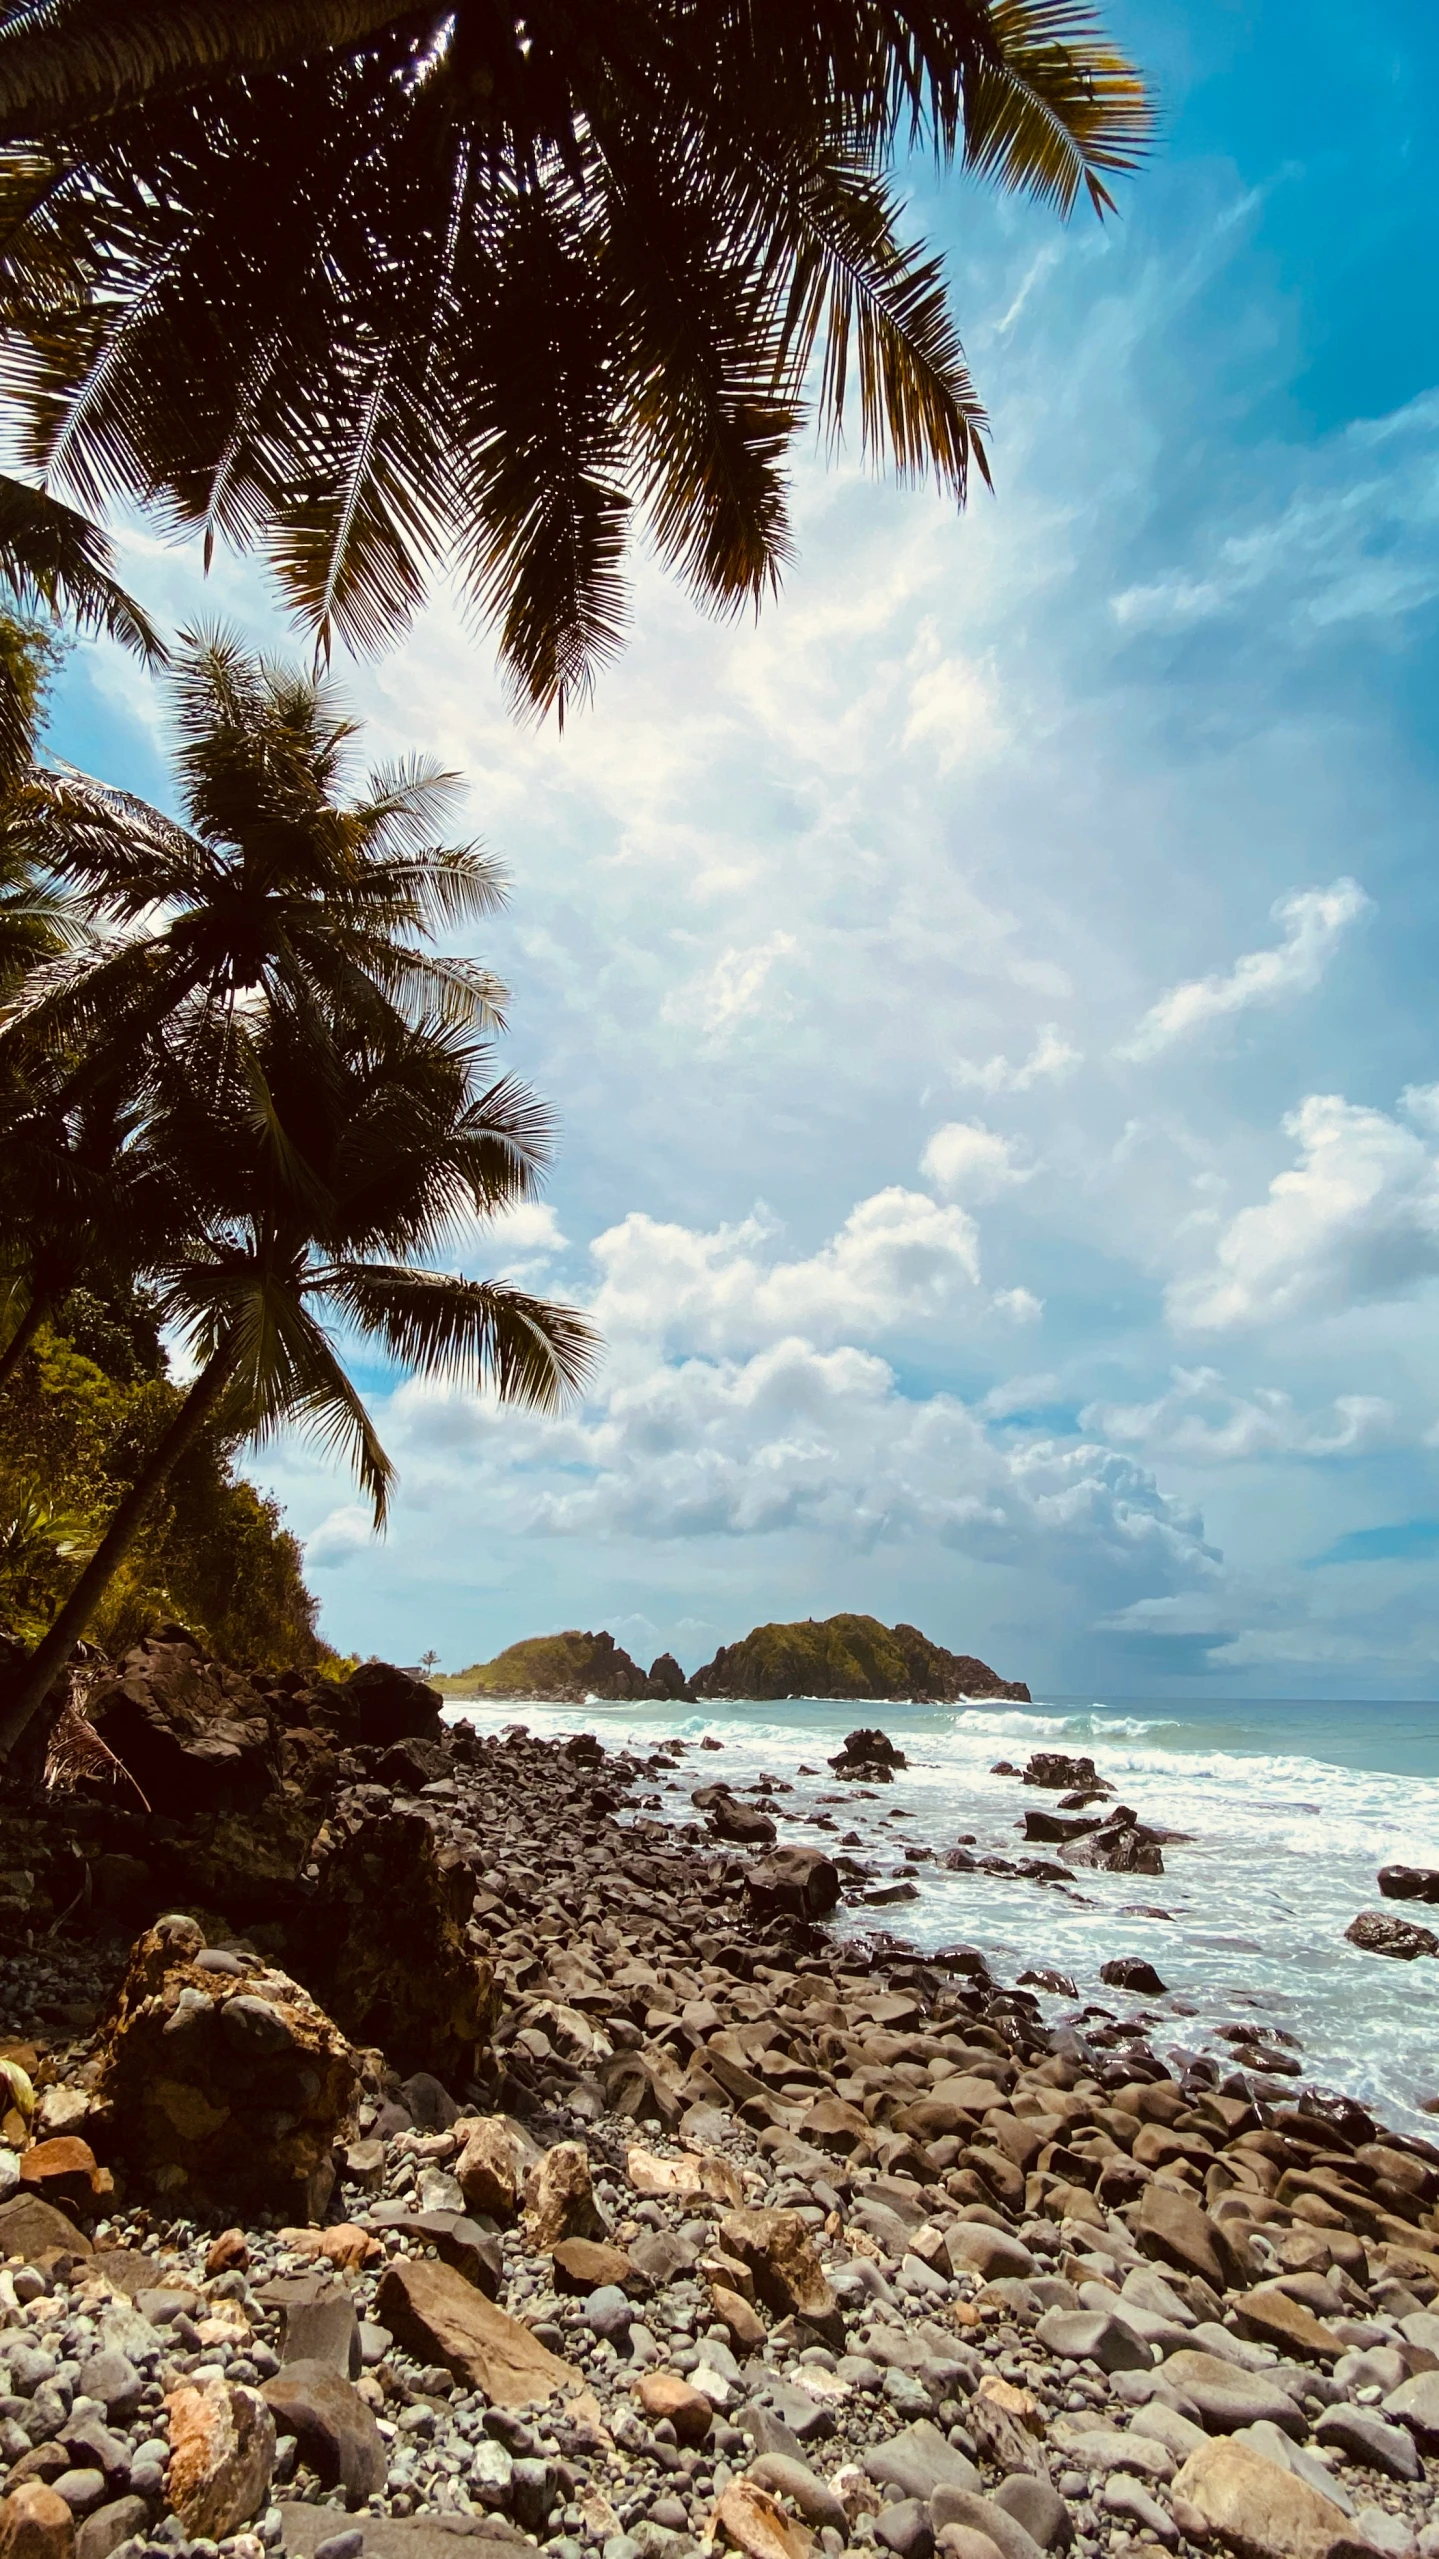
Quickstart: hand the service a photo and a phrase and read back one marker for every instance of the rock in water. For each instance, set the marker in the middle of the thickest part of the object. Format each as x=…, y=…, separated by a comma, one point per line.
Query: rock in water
x=223, y=2089
x=382, y=1943
x=222, y=2455
x=1060, y=1772
x=1131, y=1972
x=1377, y=1932
x=1409, y=1883
x=847, y=1656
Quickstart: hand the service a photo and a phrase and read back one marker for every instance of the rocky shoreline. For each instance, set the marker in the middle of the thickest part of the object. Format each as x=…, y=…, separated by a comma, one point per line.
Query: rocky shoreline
x=489, y=2153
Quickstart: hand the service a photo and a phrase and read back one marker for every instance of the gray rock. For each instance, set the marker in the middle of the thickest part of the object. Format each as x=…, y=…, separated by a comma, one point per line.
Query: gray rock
x=334, y=2428
x=813, y=2496
x=767, y=2432
x=323, y=2330
x=983, y=2514
x=919, y=2461
x=1133, y=2503
x=609, y=2313
x=1275, y=2446
x=1226, y=2398
x=254, y=2026
x=112, y=2379
x=1165, y=2425
x=342, y=2545
x=906, y=2529
x=1039, y=2507
x=1094, y=2336
x=82, y=2490
x=1367, y=2441
x=1416, y=2405
x=105, y=2529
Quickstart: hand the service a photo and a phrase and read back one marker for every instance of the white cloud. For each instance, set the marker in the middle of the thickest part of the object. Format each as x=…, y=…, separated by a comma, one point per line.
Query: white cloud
x=899, y=1259
x=734, y=987
x=1356, y=1218
x=971, y=1161
x=521, y=1242
x=1051, y=1056
x=347, y=1532
x=1202, y=1421
x=1314, y=921
x=1019, y=1304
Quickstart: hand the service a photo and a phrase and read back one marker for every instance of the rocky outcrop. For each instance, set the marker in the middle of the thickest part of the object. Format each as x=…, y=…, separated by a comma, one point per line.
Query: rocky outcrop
x=195, y=1736
x=868, y=1754
x=1378, y=1932
x=1409, y=1883
x=221, y=2083
x=848, y=1656
x=569, y=1669
x=382, y=1942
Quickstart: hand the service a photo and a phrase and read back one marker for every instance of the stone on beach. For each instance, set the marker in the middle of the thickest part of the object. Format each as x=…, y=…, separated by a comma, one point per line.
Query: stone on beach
x=222, y=2454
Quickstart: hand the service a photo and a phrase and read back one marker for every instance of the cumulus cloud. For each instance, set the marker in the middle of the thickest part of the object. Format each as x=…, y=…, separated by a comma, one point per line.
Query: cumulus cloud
x=1314, y=922
x=1051, y=1057
x=735, y=986
x=346, y=1532
x=971, y=1161
x=799, y=1438
x=1356, y=1218
x=899, y=1259
x=522, y=1241
x=1201, y=1420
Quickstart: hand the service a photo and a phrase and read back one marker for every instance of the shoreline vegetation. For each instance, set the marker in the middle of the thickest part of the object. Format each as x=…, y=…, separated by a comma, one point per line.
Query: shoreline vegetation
x=847, y=1656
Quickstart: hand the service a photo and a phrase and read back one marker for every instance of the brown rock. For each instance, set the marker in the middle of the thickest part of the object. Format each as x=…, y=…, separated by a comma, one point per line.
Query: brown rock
x=664, y=2394
x=223, y=2089
x=229, y=2254
x=222, y=2454
x=195, y=1736
x=65, y=2171
x=696, y=2172
x=801, y=1880
x=123, y=2519
x=788, y=2276
x=1225, y=2492
x=1273, y=2319
x=836, y=2126
x=1176, y=2231
x=1005, y=2422
x=559, y=2198
x=492, y=2168
x=335, y=2430
x=35, y=2524
x=743, y=2322
x=1378, y=1932
x=751, y=2521
x=33, y=2228
x=582, y=2265
x=439, y=2318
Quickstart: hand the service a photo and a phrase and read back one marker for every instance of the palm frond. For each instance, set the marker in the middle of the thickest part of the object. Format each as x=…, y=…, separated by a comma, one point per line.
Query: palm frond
x=51, y=555
x=468, y=1332
x=1060, y=110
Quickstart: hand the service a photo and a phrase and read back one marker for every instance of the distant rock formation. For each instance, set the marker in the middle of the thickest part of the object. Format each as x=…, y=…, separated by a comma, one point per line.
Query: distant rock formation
x=826, y=1657
x=848, y=1657
x=566, y=1669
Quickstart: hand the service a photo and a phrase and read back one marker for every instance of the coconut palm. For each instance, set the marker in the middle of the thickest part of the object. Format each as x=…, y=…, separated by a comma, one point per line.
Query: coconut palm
x=315, y=1182
x=385, y=287
x=281, y=891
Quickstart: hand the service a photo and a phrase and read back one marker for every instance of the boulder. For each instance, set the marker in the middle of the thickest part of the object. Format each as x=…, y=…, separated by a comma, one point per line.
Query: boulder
x=1092, y=2336
x=224, y=2088
x=1274, y=2318
x=378, y=1705
x=122, y=2519
x=1377, y=1932
x=65, y=2172
x=868, y=1753
x=335, y=2430
x=1060, y=1772
x=382, y=1943
x=1409, y=1883
x=801, y=1880
x=1227, y=2492
x=1120, y=1846
x=222, y=2456
x=1416, y=2405
x=788, y=2276
x=583, y=2265
x=491, y=2169
x=35, y=2523
x=1370, y=2442
x=977, y=2517
x=1226, y=2397
x=745, y=1824
x=665, y=2395
x=1174, y=2228
x=1132, y=1972
x=195, y=1736
x=439, y=2318
x=918, y=2461
x=973, y=2244
x=559, y=2198
x=409, y=1765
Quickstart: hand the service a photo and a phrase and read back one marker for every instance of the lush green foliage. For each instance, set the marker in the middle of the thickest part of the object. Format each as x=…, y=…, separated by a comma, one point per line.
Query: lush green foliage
x=542, y=1665
x=78, y=1421
x=388, y=287
x=845, y=1656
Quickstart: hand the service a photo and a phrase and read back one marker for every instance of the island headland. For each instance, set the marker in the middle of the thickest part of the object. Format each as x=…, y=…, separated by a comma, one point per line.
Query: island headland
x=844, y=1656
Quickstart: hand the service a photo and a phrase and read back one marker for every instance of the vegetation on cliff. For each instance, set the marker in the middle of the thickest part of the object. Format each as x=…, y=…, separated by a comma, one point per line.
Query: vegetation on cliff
x=569, y=1668
x=847, y=1656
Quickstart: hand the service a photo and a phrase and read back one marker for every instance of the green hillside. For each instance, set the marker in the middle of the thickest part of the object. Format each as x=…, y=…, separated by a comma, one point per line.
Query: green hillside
x=569, y=1667
x=847, y=1656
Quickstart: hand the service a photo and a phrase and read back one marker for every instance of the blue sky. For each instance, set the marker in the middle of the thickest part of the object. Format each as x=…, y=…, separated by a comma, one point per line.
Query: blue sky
x=989, y=1003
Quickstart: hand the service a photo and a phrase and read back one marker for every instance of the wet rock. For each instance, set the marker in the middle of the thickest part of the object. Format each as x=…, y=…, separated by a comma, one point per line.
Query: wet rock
x=35, y=2524
x=382, y=1944
x=1132, y=1972
x=1409, y=1883
x=801, y=1880
x=1059, y=1771
x=787, y=2273
x=868, y=1753
x=1377, y=1932
x=222, y=2456
x=742, y=1823
x=215, y=2112
x=438, y=2318
x=1229, y=2493
x=335, y=2430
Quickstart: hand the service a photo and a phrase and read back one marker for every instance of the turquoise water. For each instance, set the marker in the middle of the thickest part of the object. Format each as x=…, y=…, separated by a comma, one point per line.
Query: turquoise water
x=1289, y=1806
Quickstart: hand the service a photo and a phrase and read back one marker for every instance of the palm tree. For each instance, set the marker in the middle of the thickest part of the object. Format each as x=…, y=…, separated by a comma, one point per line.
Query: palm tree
x=280, y=892
x=385, y=286
x=315, y=1182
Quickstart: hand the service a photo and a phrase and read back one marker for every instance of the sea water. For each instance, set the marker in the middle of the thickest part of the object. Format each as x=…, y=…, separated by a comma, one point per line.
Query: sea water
x=1290, y=1808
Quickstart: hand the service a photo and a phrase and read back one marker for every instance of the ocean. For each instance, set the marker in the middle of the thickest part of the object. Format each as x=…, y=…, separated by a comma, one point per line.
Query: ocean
x=1291, y=1806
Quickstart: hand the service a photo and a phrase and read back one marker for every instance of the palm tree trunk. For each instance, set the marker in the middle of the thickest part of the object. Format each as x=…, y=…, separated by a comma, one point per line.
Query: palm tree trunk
x=22, y=1337
x=32, y=1683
